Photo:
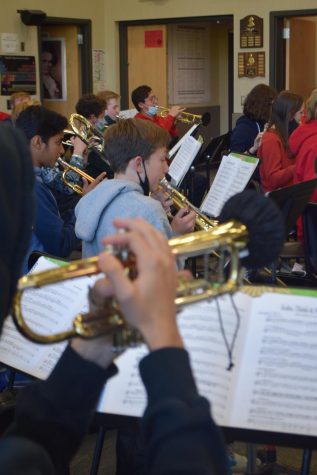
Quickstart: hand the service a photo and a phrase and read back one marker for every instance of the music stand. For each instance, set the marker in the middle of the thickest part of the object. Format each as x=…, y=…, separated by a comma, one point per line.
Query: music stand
x=292, y=201
x=212, y=154
x=308, y=443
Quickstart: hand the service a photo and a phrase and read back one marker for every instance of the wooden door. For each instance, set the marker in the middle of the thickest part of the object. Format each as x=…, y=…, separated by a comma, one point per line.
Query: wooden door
x=147, y=62
x=69, y=72
x=302, y=55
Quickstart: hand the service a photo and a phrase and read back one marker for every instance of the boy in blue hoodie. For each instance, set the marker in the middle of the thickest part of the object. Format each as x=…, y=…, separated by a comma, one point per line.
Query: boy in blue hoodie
x=136, y=151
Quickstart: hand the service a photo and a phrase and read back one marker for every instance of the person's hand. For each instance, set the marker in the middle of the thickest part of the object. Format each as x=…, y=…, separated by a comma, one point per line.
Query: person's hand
x=176, y=110
x=256, y=144
x=79, y=147
x=97, y=350
x=184, y=221
x=147, y=302
x=164, y=198
x=87, y=187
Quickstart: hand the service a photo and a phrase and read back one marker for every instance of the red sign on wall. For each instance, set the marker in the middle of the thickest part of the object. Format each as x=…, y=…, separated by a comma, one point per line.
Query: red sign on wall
x=153, y=39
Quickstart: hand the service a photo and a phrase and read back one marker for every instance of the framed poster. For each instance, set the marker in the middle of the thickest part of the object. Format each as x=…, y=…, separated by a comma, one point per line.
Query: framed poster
x=53, y=68
x=17, y=73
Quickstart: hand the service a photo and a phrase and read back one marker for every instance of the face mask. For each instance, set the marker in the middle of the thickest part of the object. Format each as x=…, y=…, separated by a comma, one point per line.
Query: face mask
x=108, y=120
x=152, y=110
x=145, y=185
x=101, y=124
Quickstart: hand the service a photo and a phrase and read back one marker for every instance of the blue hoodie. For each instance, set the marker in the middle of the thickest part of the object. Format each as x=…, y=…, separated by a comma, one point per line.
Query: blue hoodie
x=111, y=199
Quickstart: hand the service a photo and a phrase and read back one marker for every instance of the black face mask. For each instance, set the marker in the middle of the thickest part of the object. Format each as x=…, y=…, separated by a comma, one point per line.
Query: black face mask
x=145, y=185
x=109, y=121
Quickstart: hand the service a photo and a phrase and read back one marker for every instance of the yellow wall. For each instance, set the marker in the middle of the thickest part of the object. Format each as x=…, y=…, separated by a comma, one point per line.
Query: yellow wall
x=120, y=10
x=10, y=22
x=105, y=15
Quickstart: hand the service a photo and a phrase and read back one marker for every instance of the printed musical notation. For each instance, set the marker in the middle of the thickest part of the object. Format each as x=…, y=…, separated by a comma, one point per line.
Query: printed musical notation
x=232, y=177
x=272, y=386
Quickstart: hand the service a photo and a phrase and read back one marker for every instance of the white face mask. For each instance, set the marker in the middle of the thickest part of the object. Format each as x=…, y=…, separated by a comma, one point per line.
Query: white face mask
x=152, y=110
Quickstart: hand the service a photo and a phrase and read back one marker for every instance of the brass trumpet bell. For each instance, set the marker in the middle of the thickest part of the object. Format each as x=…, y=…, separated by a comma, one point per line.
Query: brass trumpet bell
x=231, y=236
x=90, y=135
x=258, y=242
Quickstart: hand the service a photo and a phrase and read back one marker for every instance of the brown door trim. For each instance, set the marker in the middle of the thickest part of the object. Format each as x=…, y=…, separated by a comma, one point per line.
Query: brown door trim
x=277, y=44
x=84, y=27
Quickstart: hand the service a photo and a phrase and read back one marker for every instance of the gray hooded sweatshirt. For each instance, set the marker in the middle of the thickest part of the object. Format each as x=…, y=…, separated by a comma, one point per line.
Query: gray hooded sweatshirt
x=111, y=199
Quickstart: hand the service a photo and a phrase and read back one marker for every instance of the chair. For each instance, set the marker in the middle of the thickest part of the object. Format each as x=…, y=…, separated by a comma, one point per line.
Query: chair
x=292, y=201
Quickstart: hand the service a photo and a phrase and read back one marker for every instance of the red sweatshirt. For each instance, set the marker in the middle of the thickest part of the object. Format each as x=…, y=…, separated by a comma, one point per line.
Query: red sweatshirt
x=166, y=123
x=303, y=143
x=276, y=168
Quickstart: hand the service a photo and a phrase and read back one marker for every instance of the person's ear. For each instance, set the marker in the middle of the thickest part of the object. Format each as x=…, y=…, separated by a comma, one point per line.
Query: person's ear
x=141, y=105
x=137, y=164
x=37, y=143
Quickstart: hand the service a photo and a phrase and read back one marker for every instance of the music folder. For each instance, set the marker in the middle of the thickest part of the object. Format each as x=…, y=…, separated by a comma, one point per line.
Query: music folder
x=232, y=177
x=271, y=389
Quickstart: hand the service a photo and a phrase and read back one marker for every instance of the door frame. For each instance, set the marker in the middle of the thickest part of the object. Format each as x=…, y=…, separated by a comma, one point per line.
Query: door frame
x=277, y=44
x=123, y=50
x=85, y=29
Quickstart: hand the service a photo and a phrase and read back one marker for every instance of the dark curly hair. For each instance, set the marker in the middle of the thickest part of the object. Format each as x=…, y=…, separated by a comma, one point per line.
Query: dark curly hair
x=258, y=103
x=90, y=104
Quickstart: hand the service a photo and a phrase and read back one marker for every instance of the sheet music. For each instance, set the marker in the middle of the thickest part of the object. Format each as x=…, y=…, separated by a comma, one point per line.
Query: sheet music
x=177, y=146
x=272, y=387
x=199, y=325
x=183, y=159
x=277, y=390
x=232, y=177
x=47, y=310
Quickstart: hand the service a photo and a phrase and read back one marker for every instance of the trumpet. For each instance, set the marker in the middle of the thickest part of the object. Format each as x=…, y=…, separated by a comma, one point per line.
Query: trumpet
x=202, y=222
x=67, y=168
x=90, y=135
x=255, y=235
x=187, y=117
x=231, y=235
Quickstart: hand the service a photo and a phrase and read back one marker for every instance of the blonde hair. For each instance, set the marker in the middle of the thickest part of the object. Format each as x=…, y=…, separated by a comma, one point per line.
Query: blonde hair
x=18, y=96
x=107, y=95
x=21, y=107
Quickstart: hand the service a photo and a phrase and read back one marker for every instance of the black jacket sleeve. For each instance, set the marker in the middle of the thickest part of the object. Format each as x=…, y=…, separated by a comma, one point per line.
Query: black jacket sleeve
x=181, y=437
x=56, y=413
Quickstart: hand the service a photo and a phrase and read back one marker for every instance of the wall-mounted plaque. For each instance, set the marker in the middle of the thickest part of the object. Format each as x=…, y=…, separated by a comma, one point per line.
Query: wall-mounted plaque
x=251, y=32
x=251, y=64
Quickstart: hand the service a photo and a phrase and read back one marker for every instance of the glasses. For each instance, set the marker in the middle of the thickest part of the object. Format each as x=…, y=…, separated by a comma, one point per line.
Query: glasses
x=152, y=99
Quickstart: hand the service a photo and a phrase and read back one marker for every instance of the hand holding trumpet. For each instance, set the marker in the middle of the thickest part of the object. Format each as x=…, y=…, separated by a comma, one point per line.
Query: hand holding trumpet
x=175, y=111
x=156, y=278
